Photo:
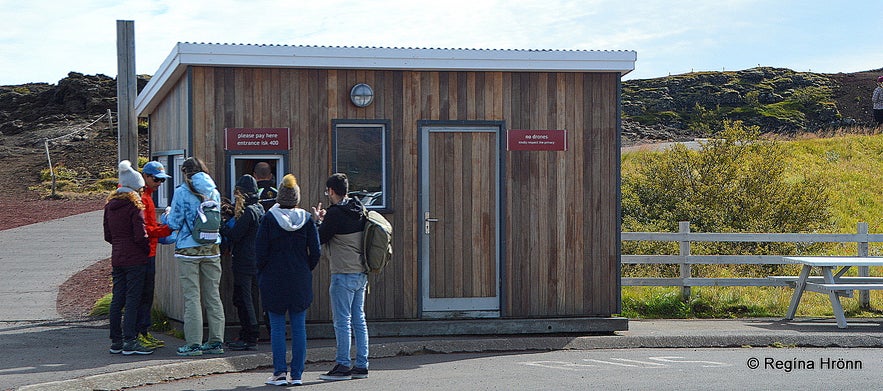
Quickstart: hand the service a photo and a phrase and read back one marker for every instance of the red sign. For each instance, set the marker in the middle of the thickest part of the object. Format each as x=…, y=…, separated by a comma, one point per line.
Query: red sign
x=536, y=140
x=260, y=139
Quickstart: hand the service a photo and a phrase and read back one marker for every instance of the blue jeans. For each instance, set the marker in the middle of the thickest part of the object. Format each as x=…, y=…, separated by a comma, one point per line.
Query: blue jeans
x=128, y=282
x=348, y=307
x=298, y=342
x=144, y=320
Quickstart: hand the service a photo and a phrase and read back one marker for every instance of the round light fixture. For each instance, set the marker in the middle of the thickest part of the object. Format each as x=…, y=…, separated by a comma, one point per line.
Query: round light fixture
x=362, y=95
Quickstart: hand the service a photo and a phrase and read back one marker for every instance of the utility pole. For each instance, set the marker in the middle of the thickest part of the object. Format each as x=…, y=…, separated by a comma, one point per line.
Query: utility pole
x=127, y=83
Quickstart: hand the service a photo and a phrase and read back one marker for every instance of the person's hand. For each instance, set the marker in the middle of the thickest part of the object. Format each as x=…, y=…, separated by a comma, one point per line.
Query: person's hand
x=164, y=218
x=319, y=212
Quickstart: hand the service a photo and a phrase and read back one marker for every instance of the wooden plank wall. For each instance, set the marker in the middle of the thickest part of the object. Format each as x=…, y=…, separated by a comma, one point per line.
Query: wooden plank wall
x=561, y=206
x=560, y=215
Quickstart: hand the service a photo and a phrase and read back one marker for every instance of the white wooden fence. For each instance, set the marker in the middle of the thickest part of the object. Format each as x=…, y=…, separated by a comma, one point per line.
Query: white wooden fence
x=685, y=259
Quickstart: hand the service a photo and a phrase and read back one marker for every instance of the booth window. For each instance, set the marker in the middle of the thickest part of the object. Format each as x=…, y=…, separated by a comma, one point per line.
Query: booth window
x=172, y=162
x=360, y=150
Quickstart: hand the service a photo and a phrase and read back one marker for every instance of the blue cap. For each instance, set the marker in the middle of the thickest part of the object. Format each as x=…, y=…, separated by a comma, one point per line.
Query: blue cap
x=155, y=169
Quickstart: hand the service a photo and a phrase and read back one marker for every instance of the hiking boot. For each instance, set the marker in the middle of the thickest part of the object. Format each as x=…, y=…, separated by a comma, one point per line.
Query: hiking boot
x=116, y=347
x=190, y=350
x=241, y=345
x=339, y=372
x=277, y=380
x=135, y=347
x=360, y=373
x=149, y=340
x=212, y=348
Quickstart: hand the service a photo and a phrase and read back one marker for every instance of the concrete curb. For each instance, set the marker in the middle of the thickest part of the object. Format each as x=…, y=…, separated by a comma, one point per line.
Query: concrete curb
x=202, y=367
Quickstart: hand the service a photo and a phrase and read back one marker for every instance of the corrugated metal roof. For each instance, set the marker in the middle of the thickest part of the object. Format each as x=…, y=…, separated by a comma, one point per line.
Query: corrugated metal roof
x=379, y=58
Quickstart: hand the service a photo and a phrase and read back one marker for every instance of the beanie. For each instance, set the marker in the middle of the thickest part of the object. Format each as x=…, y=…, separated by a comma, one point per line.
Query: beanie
x=130, y=180
x=247, y=184
x=289, y=192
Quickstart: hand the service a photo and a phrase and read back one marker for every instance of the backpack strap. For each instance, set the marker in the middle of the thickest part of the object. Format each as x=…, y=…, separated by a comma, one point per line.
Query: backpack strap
x=202, y=199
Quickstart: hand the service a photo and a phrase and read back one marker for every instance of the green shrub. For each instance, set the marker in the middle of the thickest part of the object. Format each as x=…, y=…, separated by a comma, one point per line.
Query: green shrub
x=62, y=185
x=61, y=172
x=736, y=182
x=104, y=184
x=102, y=306
x=161, y=322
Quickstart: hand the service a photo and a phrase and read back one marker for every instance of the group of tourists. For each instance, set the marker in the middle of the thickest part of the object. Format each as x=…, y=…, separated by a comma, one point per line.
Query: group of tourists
x=275, y=249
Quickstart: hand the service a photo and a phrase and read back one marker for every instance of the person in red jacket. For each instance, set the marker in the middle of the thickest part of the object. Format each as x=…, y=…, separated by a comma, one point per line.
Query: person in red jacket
x=154, y=175
x=124, y=230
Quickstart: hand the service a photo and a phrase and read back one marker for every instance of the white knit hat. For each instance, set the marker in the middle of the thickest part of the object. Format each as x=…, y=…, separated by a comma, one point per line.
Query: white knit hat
x=130, y=180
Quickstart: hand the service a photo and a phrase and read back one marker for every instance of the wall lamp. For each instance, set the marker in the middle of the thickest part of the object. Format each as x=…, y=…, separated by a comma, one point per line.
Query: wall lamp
x=362, y=95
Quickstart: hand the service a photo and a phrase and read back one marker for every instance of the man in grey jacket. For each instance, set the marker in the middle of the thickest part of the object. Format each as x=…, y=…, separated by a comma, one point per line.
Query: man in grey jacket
x=341, y=233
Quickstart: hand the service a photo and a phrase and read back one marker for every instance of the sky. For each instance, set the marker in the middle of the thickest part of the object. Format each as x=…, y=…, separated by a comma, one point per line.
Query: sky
x=43, y=40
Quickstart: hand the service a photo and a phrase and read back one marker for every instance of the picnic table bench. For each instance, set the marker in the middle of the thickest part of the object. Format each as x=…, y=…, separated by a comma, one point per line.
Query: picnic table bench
x=831, y=282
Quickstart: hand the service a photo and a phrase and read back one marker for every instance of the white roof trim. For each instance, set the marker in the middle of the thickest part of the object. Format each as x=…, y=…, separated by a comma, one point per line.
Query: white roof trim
x=226, y=55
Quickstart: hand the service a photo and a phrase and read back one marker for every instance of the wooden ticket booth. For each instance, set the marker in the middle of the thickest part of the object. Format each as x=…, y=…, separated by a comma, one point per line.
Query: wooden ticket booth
x=499, y=170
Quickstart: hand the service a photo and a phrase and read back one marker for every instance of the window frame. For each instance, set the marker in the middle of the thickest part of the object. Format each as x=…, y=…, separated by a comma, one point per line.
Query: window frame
x=384, y=126
x=171, y=161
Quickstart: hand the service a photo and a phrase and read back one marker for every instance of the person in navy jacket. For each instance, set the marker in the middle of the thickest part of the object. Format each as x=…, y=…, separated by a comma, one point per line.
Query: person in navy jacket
x=287, y=249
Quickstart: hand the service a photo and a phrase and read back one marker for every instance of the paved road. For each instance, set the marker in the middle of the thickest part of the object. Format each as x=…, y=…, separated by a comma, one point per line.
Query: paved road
x=632, y=369
x=36, y=259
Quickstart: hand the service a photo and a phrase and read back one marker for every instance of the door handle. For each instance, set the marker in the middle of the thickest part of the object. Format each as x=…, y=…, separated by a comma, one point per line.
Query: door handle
x=426, y=221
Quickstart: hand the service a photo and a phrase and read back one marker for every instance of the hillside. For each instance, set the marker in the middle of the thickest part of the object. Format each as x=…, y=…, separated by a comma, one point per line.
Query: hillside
x=64, y=113
x=781, y=101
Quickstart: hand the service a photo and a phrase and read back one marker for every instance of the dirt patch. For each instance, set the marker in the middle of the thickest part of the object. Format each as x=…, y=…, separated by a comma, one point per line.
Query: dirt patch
x=78, y=294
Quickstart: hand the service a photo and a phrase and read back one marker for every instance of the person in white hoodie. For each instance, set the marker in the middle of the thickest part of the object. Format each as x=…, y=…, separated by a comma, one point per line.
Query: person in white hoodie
x=287, y=251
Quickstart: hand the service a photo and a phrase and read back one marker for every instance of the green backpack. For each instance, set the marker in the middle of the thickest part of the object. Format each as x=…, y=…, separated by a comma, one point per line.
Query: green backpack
x=377, y=241
x=206, y=228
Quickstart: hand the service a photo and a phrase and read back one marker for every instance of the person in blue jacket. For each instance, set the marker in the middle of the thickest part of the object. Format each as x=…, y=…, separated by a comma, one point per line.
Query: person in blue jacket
x=287, y=249
x=199, y=265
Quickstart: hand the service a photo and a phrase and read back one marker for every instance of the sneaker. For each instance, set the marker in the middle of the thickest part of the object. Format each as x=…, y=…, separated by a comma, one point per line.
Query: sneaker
x=149, y=340
x=295, y=382
x=145, y=342
x=212, y=348
x=277, y=380
x=135, y=347
x=116, y=347
x=241, y=345
x=339, y=372
x=190, y=350
x=360, y=373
